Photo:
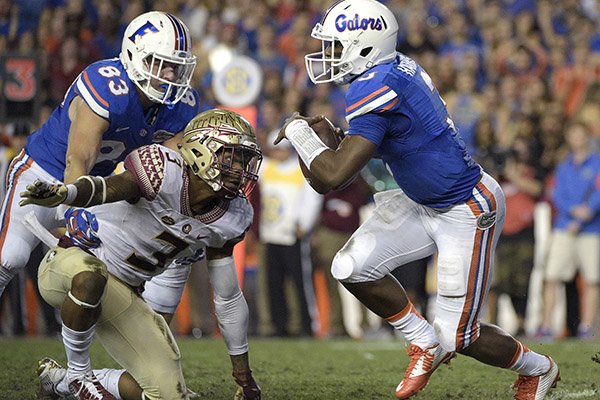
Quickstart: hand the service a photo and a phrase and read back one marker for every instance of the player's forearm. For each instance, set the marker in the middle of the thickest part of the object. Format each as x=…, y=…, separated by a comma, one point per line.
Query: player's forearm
x=326, y=168
x=248, y=388
x=230, y=305
x=240, y=364
x=76, y=166
x=88, y=191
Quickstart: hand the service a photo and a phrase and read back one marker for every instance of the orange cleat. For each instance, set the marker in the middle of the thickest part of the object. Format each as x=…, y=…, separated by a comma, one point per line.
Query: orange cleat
x=536, y=387
x=422, y=364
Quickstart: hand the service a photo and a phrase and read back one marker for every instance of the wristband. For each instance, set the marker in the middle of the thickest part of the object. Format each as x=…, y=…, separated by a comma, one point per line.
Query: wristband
x=93, y=185
x=71, y=194
x=103, y=189
x=305, y=140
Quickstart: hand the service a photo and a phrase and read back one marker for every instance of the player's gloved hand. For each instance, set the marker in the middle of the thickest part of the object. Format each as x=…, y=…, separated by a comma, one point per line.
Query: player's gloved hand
x=248, y=389
x=82, y=228
x=190, y=394
x=44, y=194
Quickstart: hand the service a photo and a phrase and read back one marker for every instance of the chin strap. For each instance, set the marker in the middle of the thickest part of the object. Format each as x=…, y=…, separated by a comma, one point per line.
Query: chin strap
x=86, y=191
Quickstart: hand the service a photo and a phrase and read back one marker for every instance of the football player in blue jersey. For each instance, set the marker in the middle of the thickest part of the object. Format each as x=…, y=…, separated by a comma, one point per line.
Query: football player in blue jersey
x=113, y=107
x=445, y=202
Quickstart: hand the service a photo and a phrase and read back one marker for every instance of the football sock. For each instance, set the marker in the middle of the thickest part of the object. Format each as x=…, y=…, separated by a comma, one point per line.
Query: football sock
x=109, y=379
x=529, y=363
x=414, y=327
x=77, y=344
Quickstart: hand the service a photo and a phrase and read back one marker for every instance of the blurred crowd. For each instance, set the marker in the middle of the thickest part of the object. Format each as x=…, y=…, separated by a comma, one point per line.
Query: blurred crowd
x=516, y=75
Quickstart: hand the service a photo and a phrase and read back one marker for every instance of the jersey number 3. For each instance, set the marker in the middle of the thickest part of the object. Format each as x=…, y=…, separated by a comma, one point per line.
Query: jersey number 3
x=177, y=244
x=116, y=85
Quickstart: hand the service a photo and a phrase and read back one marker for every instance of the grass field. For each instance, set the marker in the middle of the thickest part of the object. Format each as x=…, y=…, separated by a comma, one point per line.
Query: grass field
x=319, y=370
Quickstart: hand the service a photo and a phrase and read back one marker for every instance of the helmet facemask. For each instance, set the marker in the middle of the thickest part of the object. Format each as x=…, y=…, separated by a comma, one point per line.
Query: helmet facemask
x=330, y=64
x=170, y=92
x=238, y=166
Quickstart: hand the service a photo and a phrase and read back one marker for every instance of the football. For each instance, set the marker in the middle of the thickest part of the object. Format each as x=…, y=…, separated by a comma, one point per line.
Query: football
x=326, y=132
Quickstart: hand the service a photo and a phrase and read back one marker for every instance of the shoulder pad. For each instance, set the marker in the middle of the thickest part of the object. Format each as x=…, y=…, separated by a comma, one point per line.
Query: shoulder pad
x=368, y=93
x=104, y=87
x=182, y=112
x=148, y=166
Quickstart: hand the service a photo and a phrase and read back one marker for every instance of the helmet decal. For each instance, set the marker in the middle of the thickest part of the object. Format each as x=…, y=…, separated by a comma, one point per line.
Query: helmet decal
x=342, y=23
x=181, y=39
x=144, y=29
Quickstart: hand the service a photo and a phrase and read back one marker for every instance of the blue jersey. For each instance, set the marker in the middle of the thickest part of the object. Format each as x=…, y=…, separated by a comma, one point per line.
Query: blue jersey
x=577, y=184
x=396, y=106
x=107, y=90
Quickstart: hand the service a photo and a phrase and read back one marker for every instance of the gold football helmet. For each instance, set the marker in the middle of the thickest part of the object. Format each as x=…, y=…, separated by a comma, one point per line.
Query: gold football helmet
x=221, y=148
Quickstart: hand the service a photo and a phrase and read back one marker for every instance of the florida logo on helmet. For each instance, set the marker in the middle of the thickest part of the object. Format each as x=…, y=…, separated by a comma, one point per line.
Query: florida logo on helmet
x=342, y=22
x=144, y=29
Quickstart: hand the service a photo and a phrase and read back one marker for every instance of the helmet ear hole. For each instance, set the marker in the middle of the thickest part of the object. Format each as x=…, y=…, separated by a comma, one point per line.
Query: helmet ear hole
x=366, y=51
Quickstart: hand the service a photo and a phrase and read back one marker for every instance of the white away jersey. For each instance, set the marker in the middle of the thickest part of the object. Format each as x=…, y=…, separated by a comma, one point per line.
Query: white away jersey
x=140, y=240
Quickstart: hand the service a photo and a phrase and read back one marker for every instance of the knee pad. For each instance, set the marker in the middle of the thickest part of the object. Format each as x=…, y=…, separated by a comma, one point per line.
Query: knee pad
x=353, y=262
x=6, y=274
x=342, y=266
x=15, y=260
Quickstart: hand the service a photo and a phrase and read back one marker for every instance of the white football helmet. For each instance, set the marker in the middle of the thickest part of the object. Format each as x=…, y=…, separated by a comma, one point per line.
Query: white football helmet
x=151, y=40
x=355, y=35
x=221, y=148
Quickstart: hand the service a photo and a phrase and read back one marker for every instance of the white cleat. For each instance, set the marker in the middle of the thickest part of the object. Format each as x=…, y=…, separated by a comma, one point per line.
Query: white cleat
x=536, y=387
x=51, y=374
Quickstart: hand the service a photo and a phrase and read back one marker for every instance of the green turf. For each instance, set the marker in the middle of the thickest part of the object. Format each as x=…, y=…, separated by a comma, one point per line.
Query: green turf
x=319, y=370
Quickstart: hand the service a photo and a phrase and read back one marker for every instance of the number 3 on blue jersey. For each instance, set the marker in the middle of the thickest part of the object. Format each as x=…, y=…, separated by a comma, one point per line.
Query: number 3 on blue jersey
x=116, y=85
x=429, y=82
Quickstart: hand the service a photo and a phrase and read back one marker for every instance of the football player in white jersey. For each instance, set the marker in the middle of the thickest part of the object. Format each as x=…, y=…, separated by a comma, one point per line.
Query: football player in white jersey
x=445, y=202
x=166, y=206
x=113, y=107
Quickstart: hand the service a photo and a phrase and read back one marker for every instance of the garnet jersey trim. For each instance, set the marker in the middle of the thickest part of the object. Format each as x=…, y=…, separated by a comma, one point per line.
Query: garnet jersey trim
x=148, y=167
x=208, y=217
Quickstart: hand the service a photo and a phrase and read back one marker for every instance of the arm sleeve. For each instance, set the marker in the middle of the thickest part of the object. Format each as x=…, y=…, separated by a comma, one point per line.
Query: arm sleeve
x=230, y=305
x=371, y=126
x=369, y=95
